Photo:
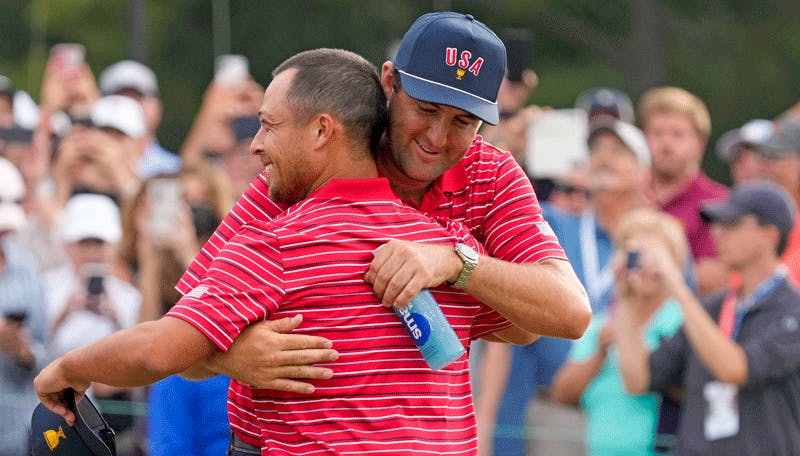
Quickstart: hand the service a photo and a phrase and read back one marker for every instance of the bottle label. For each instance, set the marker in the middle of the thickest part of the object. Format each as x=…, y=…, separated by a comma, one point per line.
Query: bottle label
x=417, y=325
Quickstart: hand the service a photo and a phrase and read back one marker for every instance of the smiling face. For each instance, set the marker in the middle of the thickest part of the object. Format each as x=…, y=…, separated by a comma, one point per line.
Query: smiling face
x=425, y=139
x=281, y=144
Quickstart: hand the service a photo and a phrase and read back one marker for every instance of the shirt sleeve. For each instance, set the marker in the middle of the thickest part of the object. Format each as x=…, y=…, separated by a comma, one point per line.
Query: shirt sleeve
x=243, y=285
x=514, y=229
x=775, y=353
x=254, y=204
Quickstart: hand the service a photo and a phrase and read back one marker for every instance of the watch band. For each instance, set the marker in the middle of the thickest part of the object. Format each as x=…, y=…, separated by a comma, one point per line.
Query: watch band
x=470, y=258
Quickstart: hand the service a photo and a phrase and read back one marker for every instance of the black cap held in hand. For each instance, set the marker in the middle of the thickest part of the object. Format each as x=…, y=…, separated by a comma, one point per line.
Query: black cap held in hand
x=90, y=436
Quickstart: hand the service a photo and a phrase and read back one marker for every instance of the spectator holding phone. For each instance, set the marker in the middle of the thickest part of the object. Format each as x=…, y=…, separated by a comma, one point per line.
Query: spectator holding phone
x=164, y=225
x=23, y=329
x=137, y=81
x=620, y=423
x=737, y=355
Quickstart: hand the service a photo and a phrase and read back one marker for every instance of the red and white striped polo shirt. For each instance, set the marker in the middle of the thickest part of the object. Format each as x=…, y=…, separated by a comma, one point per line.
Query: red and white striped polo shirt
x=486, y=191
x=312, y=259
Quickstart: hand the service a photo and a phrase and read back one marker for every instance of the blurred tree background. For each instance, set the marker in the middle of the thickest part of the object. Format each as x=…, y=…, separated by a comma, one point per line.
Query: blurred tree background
x=741, y=57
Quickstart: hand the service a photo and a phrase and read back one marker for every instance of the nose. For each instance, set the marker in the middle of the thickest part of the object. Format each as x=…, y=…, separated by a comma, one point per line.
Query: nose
x=256, y=145
x=437, y=133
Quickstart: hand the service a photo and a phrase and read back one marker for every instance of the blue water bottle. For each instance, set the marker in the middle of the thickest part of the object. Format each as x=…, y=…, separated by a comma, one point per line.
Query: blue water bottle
x=430, y=330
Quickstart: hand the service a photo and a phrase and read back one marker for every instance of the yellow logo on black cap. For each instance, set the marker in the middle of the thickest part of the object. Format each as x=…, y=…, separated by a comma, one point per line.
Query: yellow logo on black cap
x=53, y=438
x=460, y=73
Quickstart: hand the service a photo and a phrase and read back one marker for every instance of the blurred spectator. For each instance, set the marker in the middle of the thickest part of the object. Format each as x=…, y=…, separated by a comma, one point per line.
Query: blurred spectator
x=781, y=158
x=677, y=126
x=603, y=101
x=23, y=324
x=101, y=159
x=737, y=355
x=6, y=102
x=85, y=302
x=184, y=417
x=137, y=81
x=617, y=170
x=620, y=424
x=739, y=148
x=511, y=132
x=570, y=192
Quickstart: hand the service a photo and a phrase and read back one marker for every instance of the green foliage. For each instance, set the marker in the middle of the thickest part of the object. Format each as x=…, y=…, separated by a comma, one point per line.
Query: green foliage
x=741, y=57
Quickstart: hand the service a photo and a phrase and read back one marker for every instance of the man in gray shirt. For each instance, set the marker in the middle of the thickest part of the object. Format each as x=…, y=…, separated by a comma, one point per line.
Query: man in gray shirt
x=737, y=357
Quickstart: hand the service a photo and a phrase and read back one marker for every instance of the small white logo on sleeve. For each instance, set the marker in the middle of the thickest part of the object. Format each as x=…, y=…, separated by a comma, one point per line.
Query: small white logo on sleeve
x=545, y=229
x=197, y=292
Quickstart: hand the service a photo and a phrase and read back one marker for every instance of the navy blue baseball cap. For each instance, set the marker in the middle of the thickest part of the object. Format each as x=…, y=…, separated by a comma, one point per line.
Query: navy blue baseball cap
x=766, y=200
x=455, y=60
x=90, y=436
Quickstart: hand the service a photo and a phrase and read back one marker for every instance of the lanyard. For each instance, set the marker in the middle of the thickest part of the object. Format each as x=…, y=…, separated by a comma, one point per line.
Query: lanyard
x=730, y=320
x=597, y=281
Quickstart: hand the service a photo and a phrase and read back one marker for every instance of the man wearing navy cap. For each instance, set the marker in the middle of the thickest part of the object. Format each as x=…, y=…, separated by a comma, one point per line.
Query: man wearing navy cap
x=738, y=355
x=442, y=84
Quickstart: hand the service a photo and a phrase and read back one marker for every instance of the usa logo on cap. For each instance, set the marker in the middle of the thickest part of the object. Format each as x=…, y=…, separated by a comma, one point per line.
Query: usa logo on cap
x=455, y=60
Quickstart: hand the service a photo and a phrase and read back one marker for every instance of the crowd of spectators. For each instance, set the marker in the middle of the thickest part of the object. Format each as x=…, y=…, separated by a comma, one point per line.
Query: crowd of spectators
x=85, y=251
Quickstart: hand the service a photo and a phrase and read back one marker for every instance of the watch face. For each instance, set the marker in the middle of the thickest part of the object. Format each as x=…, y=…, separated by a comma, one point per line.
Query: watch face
x=467, y=252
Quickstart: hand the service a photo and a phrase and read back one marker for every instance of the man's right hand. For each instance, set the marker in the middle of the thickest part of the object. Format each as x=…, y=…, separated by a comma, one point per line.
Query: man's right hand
x=266, y=355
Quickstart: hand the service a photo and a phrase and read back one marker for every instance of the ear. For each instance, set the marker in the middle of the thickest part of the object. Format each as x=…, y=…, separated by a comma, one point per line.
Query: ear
x=387, y=78
x=324, y=127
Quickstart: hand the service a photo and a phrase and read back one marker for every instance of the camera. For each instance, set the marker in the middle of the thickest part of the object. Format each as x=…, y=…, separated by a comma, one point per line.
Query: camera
x=18, y=316
x=633, y=259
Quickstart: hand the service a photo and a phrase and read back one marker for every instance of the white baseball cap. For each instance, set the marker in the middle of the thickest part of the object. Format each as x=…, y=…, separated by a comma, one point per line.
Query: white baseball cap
x=12, y=189
x=90, y=216
x=120, y=113
x=128, y=74
x=631, y=137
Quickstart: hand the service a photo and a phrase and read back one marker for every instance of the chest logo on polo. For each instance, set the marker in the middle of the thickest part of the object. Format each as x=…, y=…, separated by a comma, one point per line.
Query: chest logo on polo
x=464, y=61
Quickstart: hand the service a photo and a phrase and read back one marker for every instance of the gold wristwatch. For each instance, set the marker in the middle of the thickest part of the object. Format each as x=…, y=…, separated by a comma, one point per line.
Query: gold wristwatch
x=470, y=258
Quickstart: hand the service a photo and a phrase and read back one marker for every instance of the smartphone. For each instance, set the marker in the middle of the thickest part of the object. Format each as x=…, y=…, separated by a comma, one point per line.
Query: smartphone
x=245, y=127
x=165, y=197
x=16, y=316
x=556, y=143
x=633, y=260
x=68, y=56
x=231, y=68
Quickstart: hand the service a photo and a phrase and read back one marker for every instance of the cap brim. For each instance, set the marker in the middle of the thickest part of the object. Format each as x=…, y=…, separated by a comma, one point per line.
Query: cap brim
x=721, y=212
x=433, y=92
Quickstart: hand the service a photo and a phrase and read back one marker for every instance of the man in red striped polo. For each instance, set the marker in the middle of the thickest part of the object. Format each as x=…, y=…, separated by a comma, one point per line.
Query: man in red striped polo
x=436, y=163
x=321, y=117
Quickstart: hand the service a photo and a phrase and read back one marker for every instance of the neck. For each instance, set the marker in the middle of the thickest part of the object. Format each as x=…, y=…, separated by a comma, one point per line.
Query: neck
x=756, y=272
x=349, y=164
x=403, y=186
x=610, y=206
x=665, y=187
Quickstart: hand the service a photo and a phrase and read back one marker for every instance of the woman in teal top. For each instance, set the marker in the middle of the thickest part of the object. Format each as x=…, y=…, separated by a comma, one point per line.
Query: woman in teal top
x=619, y=424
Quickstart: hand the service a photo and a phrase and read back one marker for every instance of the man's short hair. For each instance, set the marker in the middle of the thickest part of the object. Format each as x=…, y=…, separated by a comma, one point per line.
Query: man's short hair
x=676, y=100
x=341, y=83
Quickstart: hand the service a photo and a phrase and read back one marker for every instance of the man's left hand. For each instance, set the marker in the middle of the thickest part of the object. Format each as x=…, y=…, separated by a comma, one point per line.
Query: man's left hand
x=401, y=269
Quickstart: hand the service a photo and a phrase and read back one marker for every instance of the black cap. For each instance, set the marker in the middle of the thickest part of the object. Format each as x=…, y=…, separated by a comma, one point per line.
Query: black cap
x=90, y=436
x=763, y=199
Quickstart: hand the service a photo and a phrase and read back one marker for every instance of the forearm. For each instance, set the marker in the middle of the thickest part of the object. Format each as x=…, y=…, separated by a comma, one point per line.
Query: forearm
x=201, y=370
x=543, y=298
x=134, y=357
x=722, y=356
x=573, y=378
x=634, y=358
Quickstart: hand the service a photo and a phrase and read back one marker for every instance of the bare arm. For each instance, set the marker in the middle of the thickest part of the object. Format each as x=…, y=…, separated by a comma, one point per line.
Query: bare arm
x=634, y=358
x=267, y=355
x=720, y=354
x=573, y=377
x=133, y=357
x=542, y=298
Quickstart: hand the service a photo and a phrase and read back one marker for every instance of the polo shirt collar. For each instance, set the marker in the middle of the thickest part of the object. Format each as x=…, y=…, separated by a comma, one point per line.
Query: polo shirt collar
x=356, y=189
